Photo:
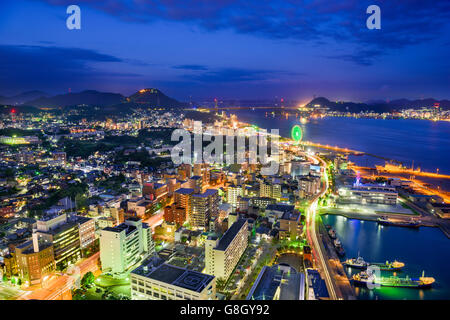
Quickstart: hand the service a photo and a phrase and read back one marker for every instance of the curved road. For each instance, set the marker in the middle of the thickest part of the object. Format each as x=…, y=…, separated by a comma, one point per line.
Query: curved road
x=311, y=230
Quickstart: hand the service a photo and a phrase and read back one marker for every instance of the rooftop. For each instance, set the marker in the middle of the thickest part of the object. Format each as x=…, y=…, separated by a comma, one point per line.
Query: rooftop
x=185, y=191
x=281, y=280
x=176, y=276
x=280, y=207
x=229, y=235
x=121, y=227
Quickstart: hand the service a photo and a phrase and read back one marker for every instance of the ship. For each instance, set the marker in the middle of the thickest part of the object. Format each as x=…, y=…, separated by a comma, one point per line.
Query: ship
x=399, y=168
x=399, y=223
x=332, y=234
x=340, y=251
x=365, y=278
x=338, y=247
x=359, y=263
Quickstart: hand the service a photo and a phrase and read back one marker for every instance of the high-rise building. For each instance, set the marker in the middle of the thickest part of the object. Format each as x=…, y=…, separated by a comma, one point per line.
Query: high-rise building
x=183, y=199
x=265, y=189
x=196, y=183
x=86, y=227
x=64, y=234
x=233, y=193
x=290, y=225
x=174, y=214
x=201, y=170
x=125, y=245
x=204, y=206
x=269, y=190
x=222, y=255
x=184, y=171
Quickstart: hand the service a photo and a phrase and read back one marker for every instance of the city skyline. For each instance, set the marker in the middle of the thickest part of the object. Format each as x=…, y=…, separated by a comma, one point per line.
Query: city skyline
x=228, y=49
x=224, y=155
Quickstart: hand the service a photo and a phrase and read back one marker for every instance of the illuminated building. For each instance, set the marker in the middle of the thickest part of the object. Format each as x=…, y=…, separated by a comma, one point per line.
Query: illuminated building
x=369, y=193
x=308, y=185
x=34, y=260
x=222, y=255
x=65, y=237
x=204, y=206
x=161, y=281
x=173, y=214
x=261, y=202
x=155, y=190
x=279, y=282
x=196, y=183
x=184, y=171
x=59, y=156
x=269, y=190
x=233, y=192
x=183, y=199
x=86, y=227
x=290, y=225
x=124, y=245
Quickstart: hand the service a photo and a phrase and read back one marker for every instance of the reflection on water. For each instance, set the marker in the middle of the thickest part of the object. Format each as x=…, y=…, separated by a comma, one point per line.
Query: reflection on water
x=423, y=249
x=425, y=142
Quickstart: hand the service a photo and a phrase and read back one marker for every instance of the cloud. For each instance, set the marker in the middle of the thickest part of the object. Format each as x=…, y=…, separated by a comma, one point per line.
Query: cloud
x=194, y=67
x=225, y=75
x=362, y=57
x=29, y=67
x=404, y=23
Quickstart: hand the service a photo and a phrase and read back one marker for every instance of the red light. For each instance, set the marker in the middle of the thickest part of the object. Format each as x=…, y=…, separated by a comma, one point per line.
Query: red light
x=13, y=110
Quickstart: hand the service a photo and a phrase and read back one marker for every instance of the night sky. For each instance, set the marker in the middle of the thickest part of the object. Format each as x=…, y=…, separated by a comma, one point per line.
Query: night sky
x=228, y=49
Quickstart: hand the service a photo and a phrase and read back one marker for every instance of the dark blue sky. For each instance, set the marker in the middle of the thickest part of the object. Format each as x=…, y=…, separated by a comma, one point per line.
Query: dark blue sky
x=229, y=49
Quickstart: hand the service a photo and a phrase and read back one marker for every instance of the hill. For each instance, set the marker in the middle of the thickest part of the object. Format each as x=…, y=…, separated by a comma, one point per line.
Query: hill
x=87, y=97
x=23, y=97
x=154, y=97
x=378, y=106
x=143, y=98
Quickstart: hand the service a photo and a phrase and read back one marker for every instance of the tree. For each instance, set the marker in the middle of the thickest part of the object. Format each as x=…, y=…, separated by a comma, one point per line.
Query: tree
x=78, y=295
x=220, y=284
x=87, y=279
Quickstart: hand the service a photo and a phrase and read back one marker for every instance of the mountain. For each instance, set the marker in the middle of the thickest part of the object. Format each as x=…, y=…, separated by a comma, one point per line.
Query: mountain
x=378, y=106
x=155, y=98
x=87, y=97
x=23, y=97
x=143, y=98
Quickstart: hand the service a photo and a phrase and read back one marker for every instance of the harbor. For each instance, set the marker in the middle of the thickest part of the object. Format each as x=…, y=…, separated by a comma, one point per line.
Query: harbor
x=422, y=249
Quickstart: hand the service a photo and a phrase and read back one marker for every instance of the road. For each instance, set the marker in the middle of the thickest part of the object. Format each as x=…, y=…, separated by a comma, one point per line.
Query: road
x=156, y=219
x=311, y=231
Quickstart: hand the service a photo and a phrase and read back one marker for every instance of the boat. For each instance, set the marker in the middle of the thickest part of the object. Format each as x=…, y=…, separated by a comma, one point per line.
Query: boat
x=340, y=251
x=365, y=278
x=359, y=263
x=338, y=247
x=398, y=223
x=337, y=243
x=332, y=234
x=399, y=168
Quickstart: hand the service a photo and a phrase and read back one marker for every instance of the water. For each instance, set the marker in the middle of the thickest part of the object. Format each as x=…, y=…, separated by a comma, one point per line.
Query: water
x=422, y=249
x=425, y=142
